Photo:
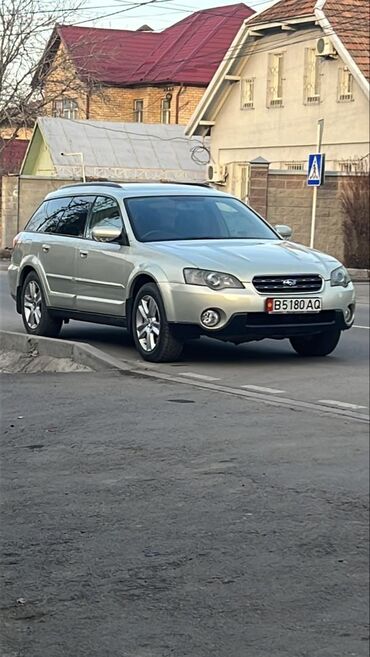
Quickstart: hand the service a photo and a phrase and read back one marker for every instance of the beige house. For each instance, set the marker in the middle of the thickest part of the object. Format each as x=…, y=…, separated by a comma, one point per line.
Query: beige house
x=289, y=66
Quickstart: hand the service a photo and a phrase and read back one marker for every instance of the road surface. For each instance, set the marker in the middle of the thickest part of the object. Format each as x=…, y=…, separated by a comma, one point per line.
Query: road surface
x=270, y=367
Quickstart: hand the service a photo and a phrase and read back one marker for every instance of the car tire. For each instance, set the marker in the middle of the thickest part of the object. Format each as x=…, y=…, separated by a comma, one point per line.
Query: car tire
x=151, y=332
x=320, y=344
x=36, y=317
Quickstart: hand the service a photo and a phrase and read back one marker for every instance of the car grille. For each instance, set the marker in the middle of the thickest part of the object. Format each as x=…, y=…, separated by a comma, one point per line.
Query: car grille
x=289, y=284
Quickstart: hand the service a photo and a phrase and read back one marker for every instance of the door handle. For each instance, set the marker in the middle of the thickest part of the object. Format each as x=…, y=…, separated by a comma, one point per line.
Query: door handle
x=83, y=254
x=45, y=248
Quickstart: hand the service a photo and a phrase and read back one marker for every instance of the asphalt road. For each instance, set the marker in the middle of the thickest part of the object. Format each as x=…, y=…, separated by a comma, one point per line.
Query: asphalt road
x=340, y=380
x=145, y=519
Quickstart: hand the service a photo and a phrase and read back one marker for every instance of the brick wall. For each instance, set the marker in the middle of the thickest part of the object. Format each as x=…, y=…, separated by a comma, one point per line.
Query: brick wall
x=115, y=103
x=289, y=201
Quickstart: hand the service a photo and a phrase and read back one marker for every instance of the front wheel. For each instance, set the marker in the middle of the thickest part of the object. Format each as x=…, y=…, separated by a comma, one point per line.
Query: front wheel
x=151, y=331
x=320, y=344
x=36, y=317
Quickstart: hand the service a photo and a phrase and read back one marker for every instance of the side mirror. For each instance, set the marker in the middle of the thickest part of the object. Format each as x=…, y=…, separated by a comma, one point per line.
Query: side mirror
x=106, y=233
x=284, y=231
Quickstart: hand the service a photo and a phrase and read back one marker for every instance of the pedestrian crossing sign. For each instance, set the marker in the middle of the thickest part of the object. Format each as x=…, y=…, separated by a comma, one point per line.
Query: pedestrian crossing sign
x=316, y=169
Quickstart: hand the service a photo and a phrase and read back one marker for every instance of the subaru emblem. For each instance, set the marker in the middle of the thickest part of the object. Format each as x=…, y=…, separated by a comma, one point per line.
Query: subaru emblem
x=289, y=282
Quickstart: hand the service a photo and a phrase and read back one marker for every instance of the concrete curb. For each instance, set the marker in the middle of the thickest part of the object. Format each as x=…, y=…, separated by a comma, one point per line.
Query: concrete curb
x=96, y=360
x=81, y=353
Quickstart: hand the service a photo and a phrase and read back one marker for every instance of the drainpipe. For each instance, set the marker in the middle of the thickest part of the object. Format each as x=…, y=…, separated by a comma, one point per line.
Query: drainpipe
x=177, y=109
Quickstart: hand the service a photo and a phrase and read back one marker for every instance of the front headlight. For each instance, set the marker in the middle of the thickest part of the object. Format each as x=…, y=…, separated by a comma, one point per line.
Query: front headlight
x=216, y=280
x=339, y=276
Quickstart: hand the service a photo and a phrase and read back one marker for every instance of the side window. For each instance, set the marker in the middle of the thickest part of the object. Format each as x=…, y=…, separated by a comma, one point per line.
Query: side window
x=105, y=212
x=74, y=217
x=38, y=218
x=54, y=213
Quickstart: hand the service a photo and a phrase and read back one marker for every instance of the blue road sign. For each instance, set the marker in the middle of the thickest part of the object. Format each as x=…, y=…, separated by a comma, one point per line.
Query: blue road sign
x=316, y=169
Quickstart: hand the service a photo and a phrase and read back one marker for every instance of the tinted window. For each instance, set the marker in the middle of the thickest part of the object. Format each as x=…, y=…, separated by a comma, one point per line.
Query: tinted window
x=169, y=218
x=38, y=220
x=73, y=220
x=54, y=213
x=105, y=212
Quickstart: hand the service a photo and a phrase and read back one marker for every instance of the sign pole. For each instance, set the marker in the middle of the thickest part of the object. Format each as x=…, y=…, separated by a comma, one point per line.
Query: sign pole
x=320, y=128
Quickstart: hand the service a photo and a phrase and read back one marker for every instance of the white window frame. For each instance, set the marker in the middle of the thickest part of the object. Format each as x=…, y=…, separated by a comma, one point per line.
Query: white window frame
x=247, y=93
x=166, y=111
x=311, y=77
x=275, y=79
x=345, y=85
x=66, y=108
x=138, y=110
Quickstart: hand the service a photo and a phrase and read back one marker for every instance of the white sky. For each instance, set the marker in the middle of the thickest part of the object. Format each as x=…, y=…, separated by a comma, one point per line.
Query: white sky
x=159, y=15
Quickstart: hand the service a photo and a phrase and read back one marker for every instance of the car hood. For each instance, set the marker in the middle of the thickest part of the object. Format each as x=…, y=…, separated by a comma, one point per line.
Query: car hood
x=246, y=259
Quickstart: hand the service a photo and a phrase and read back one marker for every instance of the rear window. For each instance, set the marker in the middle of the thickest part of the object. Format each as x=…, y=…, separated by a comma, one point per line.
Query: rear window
x=173, y=218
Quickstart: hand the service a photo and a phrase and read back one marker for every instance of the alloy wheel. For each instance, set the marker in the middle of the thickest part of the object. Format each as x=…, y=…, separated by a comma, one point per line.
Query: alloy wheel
x=148, y=323
x=32, y=301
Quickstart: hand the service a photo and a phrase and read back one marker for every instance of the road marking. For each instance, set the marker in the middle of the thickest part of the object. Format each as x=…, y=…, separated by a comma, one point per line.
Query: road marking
x=363, y=327
x=194, y=375
x=273, y=391
x=332, y=402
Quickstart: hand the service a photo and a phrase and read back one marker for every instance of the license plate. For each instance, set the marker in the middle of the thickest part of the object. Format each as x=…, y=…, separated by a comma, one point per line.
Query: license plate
x=296, y=305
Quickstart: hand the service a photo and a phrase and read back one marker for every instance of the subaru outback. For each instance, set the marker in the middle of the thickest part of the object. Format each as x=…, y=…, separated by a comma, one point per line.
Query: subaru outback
x=173, y=262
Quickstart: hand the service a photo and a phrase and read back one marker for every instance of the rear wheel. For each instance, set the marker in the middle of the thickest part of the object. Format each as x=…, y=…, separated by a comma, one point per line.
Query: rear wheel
x=36, y=317
x=320, y=344
x=151, y=331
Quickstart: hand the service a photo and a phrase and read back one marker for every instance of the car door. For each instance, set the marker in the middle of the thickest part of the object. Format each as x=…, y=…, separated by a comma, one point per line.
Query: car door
x=64, y=222
x=53, y=253
x=102, y=268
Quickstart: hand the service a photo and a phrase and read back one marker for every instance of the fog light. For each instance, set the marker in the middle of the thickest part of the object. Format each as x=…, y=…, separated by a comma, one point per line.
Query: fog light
x=210, y=318
x=348, y=314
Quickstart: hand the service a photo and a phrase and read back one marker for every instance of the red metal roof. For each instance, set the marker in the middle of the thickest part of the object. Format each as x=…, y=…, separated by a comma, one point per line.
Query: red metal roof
x=12, y=154
x=188, y=52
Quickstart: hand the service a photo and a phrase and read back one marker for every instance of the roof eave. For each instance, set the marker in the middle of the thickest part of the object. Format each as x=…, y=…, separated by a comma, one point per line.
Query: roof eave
x=341, y=49
x=217, y=84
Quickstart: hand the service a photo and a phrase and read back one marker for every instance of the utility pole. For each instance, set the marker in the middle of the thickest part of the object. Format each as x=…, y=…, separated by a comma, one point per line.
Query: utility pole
x=320, y=130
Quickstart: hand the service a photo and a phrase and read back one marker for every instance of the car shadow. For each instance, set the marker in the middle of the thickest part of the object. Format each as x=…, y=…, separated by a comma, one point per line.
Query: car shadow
x=201, y=351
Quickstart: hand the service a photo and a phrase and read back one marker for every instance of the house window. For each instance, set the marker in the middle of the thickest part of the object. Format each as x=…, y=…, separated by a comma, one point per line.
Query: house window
x=275, y=80
x=311, y=77
x=345, y=85
x=166, y=110
x=138, y=110
x=247, y=93
x=66, y=108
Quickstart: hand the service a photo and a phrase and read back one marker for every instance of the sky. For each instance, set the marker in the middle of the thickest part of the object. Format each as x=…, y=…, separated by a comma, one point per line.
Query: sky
x=124, y=14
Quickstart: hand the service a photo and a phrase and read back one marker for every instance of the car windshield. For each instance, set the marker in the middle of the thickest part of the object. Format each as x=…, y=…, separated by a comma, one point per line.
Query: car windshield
x=172, y=218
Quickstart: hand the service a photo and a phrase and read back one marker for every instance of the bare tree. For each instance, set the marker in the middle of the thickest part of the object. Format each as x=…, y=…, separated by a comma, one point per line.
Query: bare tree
x=355, y=203
x=29, y=58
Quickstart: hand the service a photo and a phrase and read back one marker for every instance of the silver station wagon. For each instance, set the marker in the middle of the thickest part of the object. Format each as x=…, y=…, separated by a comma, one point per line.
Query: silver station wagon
x=171, y=263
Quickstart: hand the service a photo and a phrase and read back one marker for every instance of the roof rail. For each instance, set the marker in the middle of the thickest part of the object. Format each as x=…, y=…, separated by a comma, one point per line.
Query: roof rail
x=193, y=184
x=93, y=184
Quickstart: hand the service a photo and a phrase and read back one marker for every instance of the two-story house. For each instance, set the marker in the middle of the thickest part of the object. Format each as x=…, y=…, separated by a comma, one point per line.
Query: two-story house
x=141, y=76
x=289, y=67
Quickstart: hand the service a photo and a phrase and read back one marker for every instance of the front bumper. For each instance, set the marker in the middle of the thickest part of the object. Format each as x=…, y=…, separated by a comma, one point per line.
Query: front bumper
x=243, y=312
x=258, y=326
